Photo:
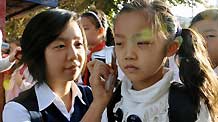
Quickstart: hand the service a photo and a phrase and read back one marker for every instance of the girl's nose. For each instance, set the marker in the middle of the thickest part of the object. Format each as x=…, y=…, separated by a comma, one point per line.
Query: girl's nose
x=130, y=52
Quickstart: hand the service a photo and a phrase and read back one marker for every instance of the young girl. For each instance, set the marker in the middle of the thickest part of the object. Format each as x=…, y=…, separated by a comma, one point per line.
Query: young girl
x=206, y=22
x=19, y=78
x=54, y=49
x=145, y=35
x=7, y=63
x=96, y=28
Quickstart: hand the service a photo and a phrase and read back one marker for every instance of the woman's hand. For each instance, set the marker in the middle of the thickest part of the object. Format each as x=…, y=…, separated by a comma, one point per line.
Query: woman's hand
x=99, y=75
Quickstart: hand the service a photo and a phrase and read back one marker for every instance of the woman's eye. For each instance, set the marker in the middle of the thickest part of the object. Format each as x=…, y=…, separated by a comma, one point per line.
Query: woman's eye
x=79, y=44
x=60, y=46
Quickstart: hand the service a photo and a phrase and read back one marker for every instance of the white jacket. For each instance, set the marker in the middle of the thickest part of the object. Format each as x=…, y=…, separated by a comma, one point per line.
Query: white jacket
x=150, y=104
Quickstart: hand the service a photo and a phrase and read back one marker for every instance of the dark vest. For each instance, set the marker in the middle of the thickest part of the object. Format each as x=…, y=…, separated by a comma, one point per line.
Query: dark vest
x=52, y=114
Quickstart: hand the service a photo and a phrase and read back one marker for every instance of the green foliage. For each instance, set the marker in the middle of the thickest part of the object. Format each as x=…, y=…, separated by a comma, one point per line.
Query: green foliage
x=187, y=2
x=15, y=26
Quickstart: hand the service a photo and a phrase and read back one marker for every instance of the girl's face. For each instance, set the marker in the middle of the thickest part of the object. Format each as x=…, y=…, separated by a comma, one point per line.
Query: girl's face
x=209, y=30
x=92, y=33
x=139, y=54
x=65, y=56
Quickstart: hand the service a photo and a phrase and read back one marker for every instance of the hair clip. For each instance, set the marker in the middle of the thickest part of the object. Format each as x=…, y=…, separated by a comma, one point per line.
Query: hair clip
x=95, y=16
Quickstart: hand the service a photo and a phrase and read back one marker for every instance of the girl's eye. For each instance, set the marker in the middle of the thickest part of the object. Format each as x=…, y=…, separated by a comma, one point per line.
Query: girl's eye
x=118, y=44
x=143, y=42
x=86, y=28
x=210, y=36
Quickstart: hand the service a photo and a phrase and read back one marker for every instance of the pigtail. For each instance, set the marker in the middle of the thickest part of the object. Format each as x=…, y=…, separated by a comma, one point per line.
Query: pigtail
x=196, y=72
x=189, y=68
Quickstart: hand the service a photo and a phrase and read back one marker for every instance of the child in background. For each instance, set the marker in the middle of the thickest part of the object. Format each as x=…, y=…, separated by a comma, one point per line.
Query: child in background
x=206, y=22
x=7, y=62
x=148, y=93
x=18, y=79
x=96, y=28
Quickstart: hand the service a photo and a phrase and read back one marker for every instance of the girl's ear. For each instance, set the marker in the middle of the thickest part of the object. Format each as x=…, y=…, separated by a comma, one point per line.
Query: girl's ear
x=172, y=48
x=100, y=30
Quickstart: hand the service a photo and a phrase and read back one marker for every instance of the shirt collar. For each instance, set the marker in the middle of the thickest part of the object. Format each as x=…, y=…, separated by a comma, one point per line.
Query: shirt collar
x=151, y=93
x=216, y=70
x=46, y=96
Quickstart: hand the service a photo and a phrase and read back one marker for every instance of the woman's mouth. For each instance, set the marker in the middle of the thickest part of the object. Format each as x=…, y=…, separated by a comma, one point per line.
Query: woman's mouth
x=71, y=69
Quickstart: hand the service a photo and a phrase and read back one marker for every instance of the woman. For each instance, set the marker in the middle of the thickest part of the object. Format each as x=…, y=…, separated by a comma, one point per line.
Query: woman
x=54, y=49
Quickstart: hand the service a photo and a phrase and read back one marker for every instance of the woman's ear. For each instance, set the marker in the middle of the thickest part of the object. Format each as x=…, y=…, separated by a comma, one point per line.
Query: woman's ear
x=173, y=47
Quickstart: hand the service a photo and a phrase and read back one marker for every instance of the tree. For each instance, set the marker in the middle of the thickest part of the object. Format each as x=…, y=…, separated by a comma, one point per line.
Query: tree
x=15, y=26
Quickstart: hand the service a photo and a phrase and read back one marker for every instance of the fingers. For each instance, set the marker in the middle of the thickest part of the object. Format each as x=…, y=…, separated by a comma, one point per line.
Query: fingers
x=13, y=55
x=99, y=68
x=18, y=49
x=99, y=75
x=90, y=65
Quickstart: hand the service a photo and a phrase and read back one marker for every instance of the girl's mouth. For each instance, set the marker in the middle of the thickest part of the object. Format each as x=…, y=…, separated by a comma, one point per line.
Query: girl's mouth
x=130, y=68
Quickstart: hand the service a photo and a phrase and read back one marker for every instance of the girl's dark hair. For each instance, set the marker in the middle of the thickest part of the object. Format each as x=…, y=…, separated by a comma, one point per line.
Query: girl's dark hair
x=99, y=19
x=209, y=14
x=196, y=72
x=42, y=30
x=195, y=68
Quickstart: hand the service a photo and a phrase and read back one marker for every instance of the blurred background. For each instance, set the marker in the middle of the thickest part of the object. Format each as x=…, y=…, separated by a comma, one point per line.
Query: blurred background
x=14, y=14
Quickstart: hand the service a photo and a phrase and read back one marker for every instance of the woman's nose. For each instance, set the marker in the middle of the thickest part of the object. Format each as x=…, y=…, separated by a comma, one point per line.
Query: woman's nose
x=72, y=53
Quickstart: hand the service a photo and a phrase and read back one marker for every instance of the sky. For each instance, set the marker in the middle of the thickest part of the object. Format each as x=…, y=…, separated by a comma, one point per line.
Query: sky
x=185, y=11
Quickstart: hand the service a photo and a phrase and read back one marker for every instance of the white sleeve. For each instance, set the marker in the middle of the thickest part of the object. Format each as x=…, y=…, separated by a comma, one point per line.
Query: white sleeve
x=204, y=115
x=104, y=116
x=174, y=67
x=0, y=45
x=5, y=64
x=15, y=112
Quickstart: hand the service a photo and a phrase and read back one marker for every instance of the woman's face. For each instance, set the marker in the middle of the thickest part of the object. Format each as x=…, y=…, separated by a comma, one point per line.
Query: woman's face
x=209, y=30
x=65, y=56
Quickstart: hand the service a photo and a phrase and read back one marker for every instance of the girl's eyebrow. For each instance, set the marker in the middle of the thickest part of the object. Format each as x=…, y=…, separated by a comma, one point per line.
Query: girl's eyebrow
x=210, y=30
x=138, y=34
x=85, y=25
x=119, y=35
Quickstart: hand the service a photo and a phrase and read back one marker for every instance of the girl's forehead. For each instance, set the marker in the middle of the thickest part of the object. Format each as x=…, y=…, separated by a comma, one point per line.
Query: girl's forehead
x=206, y=26
x=132, y=20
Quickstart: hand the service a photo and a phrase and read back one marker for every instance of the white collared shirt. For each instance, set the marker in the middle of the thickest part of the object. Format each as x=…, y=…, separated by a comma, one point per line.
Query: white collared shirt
x=216, y=70
x=15, y=112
